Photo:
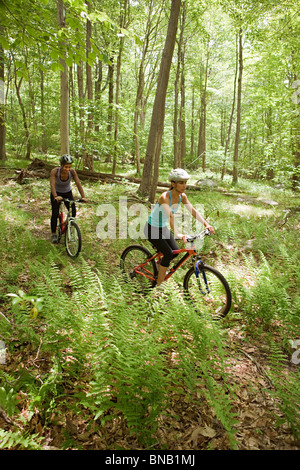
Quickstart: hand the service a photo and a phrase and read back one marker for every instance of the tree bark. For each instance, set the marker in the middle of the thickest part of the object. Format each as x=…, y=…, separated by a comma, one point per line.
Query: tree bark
x=2, y=105
x=202, y=126
x=88, y=160
x=140, y=89
x=150, y=177
x=110, y=104
x=27, y=134
x=182, y=127
x=64, y=89
x=238, y=115
x=231, y=115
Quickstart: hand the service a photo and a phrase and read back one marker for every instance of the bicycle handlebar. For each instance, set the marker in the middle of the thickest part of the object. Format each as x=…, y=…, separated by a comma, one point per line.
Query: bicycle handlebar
x=202, y=234
x=71, y=200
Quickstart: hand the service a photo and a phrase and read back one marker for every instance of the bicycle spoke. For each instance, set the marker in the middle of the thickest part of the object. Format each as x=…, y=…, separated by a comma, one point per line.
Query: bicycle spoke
x=209, y=292
x=142, y=277
x=73, y=240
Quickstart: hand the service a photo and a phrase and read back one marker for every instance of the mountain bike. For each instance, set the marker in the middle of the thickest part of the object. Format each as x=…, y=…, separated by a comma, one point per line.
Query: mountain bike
x=204, y=286
x=71, y=230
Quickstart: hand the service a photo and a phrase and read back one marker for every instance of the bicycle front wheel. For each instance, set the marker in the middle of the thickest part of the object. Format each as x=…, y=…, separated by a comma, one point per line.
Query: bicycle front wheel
x=132, y=260
x=209, y=292
x=73, y=239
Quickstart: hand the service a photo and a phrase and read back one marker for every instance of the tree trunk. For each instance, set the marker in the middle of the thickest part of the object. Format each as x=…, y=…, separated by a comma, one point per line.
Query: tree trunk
x=238, y=115
x=150, y=177
x=98, y=91
x=2, y=105
x=80, y=87
x=202, y=127
x=193, y=126
x=231, y=115
x=64, y=89
x=43, y=134
x=182, y=128
x=110, y=105
x=140, y=89
x=118, y=73
x=27, y=134
x=176, y=100
x=88, y=158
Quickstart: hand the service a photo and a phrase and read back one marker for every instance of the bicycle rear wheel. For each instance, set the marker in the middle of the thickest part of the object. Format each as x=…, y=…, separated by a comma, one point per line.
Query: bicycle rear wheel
x=209, y=292
x=58, y=232
x=73, y=239
x=132, y=257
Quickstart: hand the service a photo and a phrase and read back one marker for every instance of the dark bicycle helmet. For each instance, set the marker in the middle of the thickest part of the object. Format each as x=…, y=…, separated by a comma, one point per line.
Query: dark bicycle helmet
x=65, y=159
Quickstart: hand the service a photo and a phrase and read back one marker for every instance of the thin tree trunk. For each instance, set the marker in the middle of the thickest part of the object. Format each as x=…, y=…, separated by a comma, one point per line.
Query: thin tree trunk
x=80, y=87
x=43, y=134
x=231, y=115
x=27, y=134
x=98, y=91
x=193, y=125
x=176, y=100
x=140, y=89
x=110, y=105
x=2, y=104
x=150, y=177
x=119, y=61
x=238, y=116
x=202, y=127
x=64, y=89
x=88, y=161
x=296, y=137
x=182, y=128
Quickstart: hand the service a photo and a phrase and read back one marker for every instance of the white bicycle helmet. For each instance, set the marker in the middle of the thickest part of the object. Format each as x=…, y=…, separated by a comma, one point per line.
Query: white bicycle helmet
x=64, y=159
x=178, y=175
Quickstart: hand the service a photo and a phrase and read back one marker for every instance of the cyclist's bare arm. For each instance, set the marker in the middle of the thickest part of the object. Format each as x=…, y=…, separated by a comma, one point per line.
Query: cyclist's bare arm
x=53, y=176
x=78, y=184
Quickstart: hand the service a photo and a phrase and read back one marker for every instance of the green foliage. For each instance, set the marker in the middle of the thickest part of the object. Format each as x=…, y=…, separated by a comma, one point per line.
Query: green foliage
x=286, y=389
x=99, y=350
x=19, y=440
x=8, y=400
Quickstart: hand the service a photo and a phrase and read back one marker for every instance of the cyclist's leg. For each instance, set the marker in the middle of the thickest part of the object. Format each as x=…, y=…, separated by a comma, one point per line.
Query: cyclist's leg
x=54, y=216
x=165, y=243
x=69, y=195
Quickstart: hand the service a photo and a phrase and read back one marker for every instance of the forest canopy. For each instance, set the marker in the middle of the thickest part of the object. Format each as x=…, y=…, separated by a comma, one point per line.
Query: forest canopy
x=232, y=101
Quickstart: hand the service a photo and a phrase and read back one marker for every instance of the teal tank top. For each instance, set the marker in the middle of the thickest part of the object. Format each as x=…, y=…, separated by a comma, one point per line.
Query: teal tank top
x=158, y=217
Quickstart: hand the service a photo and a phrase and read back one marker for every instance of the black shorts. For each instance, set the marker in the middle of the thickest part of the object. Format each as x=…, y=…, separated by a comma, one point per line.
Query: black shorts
x=163, y=240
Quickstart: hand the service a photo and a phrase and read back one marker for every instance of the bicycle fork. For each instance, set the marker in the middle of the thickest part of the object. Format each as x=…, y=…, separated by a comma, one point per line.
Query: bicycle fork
x=197, y=274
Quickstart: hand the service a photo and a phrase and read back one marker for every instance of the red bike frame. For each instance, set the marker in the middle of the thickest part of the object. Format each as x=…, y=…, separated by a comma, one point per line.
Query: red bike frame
x=189, y=253
x=63, y=224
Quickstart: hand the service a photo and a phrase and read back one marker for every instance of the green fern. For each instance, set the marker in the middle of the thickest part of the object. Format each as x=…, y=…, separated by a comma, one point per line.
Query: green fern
x=10, y=440
x=286, y=389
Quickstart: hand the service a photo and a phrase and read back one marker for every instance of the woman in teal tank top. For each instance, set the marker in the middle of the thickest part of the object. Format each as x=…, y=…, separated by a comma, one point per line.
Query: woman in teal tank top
x=156, y=229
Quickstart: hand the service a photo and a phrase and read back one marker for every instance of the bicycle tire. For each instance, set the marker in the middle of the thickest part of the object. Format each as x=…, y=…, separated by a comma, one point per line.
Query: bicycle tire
x=217, y=302
x=58, y=232
x=73, y=239
x=132, y=257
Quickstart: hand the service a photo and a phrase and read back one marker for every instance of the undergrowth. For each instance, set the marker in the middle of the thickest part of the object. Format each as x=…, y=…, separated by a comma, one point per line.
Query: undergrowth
x=101, y=351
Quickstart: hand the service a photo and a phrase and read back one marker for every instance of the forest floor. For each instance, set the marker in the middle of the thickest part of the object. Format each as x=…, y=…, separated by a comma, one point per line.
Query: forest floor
x=195, y=427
